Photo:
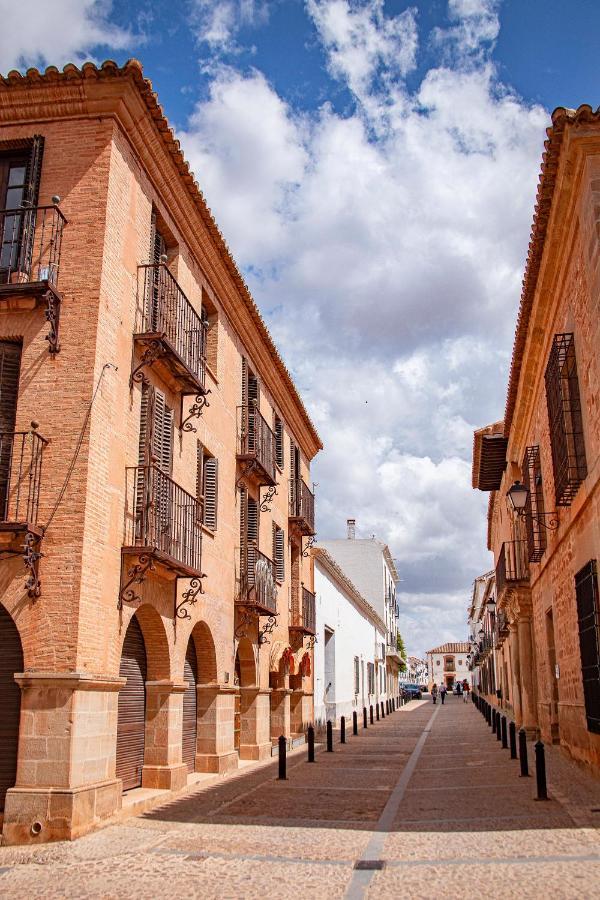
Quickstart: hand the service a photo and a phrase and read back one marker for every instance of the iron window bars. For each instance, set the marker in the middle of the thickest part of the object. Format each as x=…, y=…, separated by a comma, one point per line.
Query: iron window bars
x=564, y=415
x=588, y=615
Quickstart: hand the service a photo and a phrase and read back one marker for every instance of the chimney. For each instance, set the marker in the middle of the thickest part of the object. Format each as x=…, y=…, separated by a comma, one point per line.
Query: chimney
x=351, y=523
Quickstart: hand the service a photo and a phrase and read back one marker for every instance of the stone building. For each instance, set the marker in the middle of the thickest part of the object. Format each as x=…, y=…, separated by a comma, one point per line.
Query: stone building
x=155, y=590
x=350, y=668
x=369, y=565
x=541, y=463
x=448, y=664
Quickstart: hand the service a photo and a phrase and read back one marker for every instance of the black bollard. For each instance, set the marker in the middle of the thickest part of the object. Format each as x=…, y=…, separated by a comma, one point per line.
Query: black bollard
x=343, y=730
x=504, y=733
x=354, y=723
x=371, y=714
x=523, y=753
x=311, y=743
x=512, y=736
x=493, y=721
x=364, y=716
x=498, y=726
x=282, y=759
x=382, y=711
x=329, y=736
x=540, y=771
x=377, y=711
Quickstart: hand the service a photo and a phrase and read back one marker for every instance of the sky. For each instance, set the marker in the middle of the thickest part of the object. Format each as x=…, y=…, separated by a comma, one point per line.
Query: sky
x=373, y=167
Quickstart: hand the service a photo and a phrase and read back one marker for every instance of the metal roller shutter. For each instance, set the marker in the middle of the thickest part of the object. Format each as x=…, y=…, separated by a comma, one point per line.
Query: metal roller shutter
x=11, y=661
x=131, y=722
x=190, y=714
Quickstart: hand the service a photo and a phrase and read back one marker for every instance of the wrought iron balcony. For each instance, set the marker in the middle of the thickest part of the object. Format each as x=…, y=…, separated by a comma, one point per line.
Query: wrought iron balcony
x=162, y=522
x=169, y=333
x=30, y=250
x=257, y=587
x=302, y=506
x=304, y=613
x=513, y=565
x=256, y=446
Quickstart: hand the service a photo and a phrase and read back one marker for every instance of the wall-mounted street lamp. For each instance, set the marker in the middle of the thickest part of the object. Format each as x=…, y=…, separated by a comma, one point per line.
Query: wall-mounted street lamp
x=518, y=495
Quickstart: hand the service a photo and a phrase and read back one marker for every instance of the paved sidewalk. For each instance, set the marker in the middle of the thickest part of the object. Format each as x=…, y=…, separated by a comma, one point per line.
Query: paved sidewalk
x=428, y=794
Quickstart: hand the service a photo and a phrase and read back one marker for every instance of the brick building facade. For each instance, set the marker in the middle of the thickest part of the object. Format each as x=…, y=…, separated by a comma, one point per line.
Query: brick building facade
x=154, y=469
x=546, y=539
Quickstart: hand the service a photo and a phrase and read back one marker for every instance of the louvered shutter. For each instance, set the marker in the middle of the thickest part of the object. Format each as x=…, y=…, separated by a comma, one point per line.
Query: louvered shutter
x=190, y=708
x=211, y=471
x=588, y=616
x=253, y=392
x=253, y=519
x=11, y=661
x=279, y=553
x=279, y=442
x=158, y=249
x=162, y=436
x=199, y=482
x=10, y=364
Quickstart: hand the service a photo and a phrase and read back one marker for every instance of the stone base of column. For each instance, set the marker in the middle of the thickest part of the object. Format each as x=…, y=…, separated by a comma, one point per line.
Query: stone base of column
x=255, y=751
x=165, y=778
x=217, y=762
x=38, y=815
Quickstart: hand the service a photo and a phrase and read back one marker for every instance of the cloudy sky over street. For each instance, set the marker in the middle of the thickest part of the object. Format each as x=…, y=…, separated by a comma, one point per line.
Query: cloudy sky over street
x=373, y=167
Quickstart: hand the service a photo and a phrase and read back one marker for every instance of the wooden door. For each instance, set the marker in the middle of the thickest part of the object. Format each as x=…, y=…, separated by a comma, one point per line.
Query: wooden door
x=11, y=661
x=190, y=708
x=131, y=724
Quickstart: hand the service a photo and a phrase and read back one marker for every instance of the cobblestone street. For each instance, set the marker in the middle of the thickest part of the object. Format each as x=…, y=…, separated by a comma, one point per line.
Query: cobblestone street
x=439, y=825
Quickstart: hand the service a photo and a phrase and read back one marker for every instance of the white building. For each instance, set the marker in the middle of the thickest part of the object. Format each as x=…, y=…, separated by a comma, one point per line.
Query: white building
x=369, y=565
x=349, y=656
x=448, y=664
x=416, y=671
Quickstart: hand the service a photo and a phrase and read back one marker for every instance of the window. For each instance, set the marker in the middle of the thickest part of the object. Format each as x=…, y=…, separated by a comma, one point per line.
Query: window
x=156, y=430
x=588, y=616
x=278, y=429
x=278, y=553
x=210, y=325
x=565, y=420
x=371, y=678
x=534, y=510
x=207, y=475
x=10, y=364
x=437, y=662
x=356, y=675
x=460, y=662
x=20, y=170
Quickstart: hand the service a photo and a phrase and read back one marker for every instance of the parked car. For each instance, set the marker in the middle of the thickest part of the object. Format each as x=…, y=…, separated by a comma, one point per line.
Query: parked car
x=411, y=692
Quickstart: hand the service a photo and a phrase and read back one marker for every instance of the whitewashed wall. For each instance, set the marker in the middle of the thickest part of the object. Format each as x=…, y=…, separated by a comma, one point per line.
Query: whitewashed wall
x=354, y=635
x=436, y=668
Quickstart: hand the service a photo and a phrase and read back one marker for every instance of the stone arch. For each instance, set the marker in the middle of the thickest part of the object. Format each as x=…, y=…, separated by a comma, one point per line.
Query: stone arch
x=245, y=664
x=206, y=654
x=11, y=661
x=158, y=655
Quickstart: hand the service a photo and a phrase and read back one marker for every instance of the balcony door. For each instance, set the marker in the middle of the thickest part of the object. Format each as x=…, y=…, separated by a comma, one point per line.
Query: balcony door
x=250, y=404
x=19, y=184
x=10, y=364
x=155, y=495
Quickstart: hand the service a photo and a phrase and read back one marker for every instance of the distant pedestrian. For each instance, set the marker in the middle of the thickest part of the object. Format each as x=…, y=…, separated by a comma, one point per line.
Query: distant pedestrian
x=466, y=690
x=434, y=693
x=459, y=689
x=443, y=693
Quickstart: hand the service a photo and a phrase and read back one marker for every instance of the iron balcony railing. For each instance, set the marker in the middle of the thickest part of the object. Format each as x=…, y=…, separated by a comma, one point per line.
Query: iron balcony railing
x=168, y=313
x=20, y=476
x=512, y=565
x=30, y=244
x=304, y=616
x=302, y=502
x=162, y=517
x=257, y=585
x=257, y=440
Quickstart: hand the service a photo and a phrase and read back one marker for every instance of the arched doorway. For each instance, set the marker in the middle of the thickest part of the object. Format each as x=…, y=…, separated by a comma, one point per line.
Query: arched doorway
x=245, y=676
x=190, y=707
x=131, y=722
x=11, y=661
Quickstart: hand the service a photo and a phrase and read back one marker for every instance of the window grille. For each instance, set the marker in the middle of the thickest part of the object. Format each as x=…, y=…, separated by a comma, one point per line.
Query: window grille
x=565, y=420
x=586, y=589
x=534, y=509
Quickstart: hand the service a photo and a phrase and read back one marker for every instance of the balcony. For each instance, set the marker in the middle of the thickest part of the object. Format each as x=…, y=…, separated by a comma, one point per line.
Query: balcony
x=304, y=617
x=256, y=446
x=257, y=587
x=169, y=333
x=302, y=506
x=20, y=483
x=162, y=523
x=30, y=250
x=512, y=566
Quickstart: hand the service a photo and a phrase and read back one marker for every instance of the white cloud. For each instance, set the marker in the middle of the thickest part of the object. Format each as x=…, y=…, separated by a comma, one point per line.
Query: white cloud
x=216, y=23
x=40, y=33
x=386, y=247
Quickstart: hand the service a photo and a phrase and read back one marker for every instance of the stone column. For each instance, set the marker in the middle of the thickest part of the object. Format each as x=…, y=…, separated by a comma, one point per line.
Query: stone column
x=215, y=751
x=164, y=768
x=280, y=712
x=528, y=705
x=515, y=673
x=66, y=780
x=255, y=736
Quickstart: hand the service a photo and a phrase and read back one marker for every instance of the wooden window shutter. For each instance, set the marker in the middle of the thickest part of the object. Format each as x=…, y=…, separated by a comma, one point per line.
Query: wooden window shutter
x=279, y=442
x=243, y=516
x=279, y=553
x=200, y=482
x=211, y=472
x=588, y=616
x=162, y=432
x=253, y=520
x=10, y=364
x=244, y=381
x=34, y=172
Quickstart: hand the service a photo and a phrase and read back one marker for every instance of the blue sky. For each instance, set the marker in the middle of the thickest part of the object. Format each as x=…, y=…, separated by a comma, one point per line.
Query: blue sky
x=373, y=167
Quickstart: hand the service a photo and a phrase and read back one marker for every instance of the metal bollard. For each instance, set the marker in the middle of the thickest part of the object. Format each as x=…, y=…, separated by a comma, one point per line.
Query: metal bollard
x=498, y=726
x=523, y=753
x=282, y=759
x=329, y=736
x=382, y=711
x=354, y=723
x=311, y=743
x=540, y=771
x=512, y=737
x=371, y=714
x=504, y=733
x=377, y=711
x=493, y=721
x=343, y=730
x=364, y=716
